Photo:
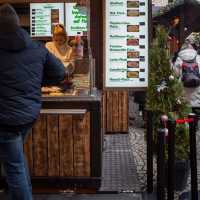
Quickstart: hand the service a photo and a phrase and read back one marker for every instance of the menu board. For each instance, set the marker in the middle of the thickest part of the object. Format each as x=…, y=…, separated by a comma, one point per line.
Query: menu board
x=43, y=16
x=76, y=19
x=126, y=43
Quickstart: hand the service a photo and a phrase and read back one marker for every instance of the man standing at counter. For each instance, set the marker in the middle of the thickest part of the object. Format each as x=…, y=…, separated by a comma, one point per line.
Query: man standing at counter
x=24, y=67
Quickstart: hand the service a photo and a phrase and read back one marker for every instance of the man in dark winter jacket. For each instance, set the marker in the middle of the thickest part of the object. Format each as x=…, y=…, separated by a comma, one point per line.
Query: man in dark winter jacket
x=24, y=67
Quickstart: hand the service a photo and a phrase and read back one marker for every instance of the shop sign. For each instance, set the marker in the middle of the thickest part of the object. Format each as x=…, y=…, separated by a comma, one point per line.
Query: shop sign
x=44, y=16
x=126, y=44
x=76, y=19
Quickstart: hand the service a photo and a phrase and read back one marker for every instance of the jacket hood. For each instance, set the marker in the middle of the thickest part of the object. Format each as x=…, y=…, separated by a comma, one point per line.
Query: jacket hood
x=187, y=54
x=14, y=41
x=9, y=20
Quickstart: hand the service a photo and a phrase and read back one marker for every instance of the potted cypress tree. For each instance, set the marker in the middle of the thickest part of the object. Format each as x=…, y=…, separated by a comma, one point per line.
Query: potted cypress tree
x=165, y=95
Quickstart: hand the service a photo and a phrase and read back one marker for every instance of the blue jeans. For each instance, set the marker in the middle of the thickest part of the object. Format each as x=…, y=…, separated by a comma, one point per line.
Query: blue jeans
x=15, y=165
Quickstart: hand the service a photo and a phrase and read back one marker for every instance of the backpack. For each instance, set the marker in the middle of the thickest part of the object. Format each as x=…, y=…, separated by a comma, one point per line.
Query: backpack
x=190, y=74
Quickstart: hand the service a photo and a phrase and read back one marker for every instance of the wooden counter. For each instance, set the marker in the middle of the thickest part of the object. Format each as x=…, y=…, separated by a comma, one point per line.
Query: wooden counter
x=64, y=149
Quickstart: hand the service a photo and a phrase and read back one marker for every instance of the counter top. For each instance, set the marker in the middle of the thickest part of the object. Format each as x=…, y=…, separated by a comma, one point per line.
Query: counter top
x=47, y=98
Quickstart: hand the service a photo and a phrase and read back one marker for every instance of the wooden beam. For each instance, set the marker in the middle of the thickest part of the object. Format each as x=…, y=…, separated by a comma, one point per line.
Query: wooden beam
x=96, y=38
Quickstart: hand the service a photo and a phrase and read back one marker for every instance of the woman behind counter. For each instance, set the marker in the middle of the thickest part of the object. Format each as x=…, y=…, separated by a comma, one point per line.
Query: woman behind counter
x=60, y=48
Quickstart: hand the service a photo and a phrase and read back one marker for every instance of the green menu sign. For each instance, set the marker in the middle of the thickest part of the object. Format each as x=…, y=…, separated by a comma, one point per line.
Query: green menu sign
x=76, y=19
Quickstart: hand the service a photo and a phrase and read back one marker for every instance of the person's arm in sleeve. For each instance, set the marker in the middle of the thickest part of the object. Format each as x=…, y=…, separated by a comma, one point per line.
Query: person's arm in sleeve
x=49, y=46
x=178, y=67
x=198, y=61
x=54, y=71
x=72, y=62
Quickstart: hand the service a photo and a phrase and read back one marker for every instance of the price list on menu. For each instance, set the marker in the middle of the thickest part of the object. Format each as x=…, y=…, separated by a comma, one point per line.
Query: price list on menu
x=44, y=16
x=126, y=43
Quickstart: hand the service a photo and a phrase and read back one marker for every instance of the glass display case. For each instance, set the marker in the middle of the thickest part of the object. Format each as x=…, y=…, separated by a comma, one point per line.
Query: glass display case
x=80, y=83
x=75, y=17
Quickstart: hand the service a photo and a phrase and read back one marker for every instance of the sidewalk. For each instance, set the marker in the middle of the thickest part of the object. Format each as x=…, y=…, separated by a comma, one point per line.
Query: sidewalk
x=119, y=175
x=84, y=197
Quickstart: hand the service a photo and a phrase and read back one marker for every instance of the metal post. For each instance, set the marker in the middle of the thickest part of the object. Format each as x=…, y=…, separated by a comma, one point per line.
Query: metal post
x=160, y=165
x=193, y=156
x=171, y=159
x=149, y=151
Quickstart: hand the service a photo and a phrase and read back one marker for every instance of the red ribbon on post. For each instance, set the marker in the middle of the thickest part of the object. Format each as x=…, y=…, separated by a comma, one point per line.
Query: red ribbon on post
x=182, y=121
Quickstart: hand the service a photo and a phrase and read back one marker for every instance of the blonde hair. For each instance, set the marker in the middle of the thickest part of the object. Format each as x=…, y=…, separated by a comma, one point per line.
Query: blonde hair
x=59, y=29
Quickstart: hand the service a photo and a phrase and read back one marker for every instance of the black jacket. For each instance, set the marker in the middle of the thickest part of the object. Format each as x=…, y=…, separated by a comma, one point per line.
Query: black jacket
x=24, y=66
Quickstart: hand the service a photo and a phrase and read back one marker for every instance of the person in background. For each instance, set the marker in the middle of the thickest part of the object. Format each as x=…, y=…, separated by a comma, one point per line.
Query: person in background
x=60, y=48
x=174, y=34
x=25, y=66
x=188, y=57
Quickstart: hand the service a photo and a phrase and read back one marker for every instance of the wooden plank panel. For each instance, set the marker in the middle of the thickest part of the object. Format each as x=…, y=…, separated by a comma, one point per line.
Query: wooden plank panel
x=115, y=111
x=81, y=135
x=53, y=146
x=66, y=145
x=120, y=110
x=40, y=147
x=28, y=150
x=24, y=20
x=125, y=111
x=109, y=110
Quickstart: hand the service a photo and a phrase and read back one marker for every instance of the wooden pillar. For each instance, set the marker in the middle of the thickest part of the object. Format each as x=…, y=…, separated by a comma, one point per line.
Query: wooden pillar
x=96, y=38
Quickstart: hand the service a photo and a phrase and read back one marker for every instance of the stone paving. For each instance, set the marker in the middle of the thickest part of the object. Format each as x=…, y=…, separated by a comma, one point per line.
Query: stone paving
x=138, y=143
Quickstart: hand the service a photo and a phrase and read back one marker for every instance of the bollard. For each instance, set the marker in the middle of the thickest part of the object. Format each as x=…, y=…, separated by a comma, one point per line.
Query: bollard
x=171, y=159
x=160, y=164
x=193, y=156
x=149, y=151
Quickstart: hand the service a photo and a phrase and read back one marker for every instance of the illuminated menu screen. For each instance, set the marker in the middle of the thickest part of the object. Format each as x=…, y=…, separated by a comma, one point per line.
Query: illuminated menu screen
x=126, y=46
x=76, y=19
x=44, y=16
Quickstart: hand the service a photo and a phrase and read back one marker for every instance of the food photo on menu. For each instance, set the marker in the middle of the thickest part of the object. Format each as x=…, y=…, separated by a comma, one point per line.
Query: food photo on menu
x=133, y=13
x=54, y=18
x=133, y=4
x=133, y=64
x=133, y=54
x=131, y=74
x=132, y=42
x=133, y=28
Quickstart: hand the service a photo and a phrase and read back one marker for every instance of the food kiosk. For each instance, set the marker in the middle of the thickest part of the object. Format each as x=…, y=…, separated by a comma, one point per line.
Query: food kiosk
x=64, y=148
